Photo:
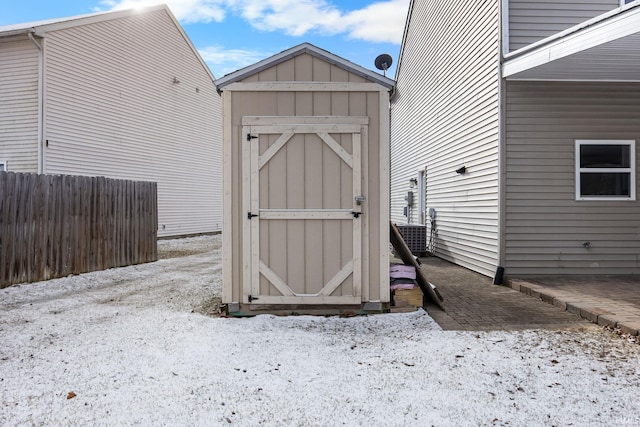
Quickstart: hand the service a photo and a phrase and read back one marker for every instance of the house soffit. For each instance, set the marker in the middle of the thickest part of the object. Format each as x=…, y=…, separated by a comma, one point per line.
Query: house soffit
x=609, y=50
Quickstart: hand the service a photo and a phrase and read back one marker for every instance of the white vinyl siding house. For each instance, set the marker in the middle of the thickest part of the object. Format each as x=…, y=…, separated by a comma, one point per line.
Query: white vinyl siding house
x=563, y=127
x=445, y=116
x=126, y=95
x=19, y=65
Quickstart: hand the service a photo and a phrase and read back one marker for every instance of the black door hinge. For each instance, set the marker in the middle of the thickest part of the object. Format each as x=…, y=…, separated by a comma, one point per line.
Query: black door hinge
x=252, y=298
x=250, y=215
x=356, y=214
x=250, y=137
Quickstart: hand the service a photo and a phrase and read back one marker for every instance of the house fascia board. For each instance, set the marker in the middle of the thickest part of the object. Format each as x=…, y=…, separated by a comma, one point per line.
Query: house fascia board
x=606, y=28
x=73, y=21
x=299, y=50
x=189, y=43
x=95, y=18
x=404, y=40
x=14, y=33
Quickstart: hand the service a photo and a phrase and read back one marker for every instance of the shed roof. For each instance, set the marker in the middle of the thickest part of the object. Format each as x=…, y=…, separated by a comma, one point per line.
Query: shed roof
x=299, y=50
x=40, y=28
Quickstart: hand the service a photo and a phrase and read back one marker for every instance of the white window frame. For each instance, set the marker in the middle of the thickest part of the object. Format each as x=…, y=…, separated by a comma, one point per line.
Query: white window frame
x=631, y=170
x=625, y=2
x=3, y=166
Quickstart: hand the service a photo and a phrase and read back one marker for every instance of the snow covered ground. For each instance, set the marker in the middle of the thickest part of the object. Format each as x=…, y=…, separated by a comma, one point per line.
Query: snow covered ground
x=134, y=346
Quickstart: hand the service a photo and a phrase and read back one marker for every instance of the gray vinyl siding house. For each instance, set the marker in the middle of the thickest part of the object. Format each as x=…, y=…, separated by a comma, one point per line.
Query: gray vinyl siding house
x=562, y=80
x=122, y=95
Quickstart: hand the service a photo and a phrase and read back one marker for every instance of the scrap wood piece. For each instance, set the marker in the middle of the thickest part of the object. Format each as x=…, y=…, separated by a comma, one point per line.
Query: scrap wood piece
x=407, y=257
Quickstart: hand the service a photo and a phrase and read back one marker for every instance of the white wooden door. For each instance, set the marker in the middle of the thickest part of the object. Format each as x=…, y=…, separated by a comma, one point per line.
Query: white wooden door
x=302, y=192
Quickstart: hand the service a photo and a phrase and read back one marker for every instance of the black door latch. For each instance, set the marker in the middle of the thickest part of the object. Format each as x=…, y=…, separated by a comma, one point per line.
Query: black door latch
x=356, y=214
x=250, y=215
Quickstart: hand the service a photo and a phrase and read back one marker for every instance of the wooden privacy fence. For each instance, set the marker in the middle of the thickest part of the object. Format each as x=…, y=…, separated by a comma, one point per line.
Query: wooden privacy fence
x=55, y=225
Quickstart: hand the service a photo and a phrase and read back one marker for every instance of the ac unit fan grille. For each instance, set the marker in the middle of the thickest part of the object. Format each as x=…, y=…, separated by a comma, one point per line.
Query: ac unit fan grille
x=415, y=236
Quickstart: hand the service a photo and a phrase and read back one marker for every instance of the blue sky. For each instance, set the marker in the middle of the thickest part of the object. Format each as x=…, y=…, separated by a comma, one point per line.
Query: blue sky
x=231, y=34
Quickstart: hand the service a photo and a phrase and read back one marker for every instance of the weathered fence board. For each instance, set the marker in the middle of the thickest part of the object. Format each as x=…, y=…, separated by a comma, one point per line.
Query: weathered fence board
x=55, y=225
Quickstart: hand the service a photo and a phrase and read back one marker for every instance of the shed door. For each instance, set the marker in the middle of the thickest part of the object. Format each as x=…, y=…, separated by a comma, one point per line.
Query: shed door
x=304, y=216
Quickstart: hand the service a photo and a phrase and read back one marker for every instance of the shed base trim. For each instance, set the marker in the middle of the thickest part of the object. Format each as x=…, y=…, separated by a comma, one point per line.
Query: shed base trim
x=248, y=310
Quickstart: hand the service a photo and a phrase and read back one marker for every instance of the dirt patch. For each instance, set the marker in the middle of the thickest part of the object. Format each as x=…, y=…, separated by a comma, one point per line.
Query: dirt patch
x=176, y=248
x=211, y=307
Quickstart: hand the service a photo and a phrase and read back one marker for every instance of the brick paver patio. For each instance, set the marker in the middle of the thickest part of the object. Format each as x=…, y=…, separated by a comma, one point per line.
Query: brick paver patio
x=473, y=303
x=606, y=300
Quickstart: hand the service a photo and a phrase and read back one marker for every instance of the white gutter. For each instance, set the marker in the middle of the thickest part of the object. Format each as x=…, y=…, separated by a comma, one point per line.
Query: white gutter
x=40, y=103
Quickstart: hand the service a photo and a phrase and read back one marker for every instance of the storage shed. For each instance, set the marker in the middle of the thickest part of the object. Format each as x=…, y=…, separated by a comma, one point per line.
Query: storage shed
x=306, y=185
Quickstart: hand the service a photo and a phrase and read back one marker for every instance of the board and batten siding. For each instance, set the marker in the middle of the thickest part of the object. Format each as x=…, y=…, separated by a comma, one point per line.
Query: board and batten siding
x=113, y=109
x=545, y=225
x=531, y=21
x=19, y=64
x=306, y=68
x=444, y=116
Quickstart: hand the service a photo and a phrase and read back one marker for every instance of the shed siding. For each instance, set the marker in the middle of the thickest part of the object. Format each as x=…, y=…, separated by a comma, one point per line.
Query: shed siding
x=545, y=226
x=303, y=68
x=112, y=108
x=444, y=116
x=19, y=63
x=530, y=21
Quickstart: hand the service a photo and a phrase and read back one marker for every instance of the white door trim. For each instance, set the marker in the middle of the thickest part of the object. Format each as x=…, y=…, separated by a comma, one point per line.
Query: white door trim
x=252, y=162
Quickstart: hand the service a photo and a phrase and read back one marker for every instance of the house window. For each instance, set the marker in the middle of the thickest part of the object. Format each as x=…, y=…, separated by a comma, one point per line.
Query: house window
x=605, y=170
x=623, y=2
x=3, y=166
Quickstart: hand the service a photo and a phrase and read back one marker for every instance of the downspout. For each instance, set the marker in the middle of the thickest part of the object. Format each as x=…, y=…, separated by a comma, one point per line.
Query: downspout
x=40, y=103
x=503, y=28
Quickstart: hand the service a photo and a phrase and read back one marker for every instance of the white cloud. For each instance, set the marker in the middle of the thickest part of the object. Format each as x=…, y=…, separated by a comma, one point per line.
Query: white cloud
x=382, y=21
x=224, y=61
x=293, y=17
x=378, y=22
x=186, y=11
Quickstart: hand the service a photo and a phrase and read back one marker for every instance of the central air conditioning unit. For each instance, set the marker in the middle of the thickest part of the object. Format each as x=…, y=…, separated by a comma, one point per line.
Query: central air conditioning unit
x=415, y=236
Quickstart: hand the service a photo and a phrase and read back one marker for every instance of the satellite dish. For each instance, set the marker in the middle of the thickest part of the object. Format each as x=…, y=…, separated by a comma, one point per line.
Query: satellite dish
x=383, y=62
